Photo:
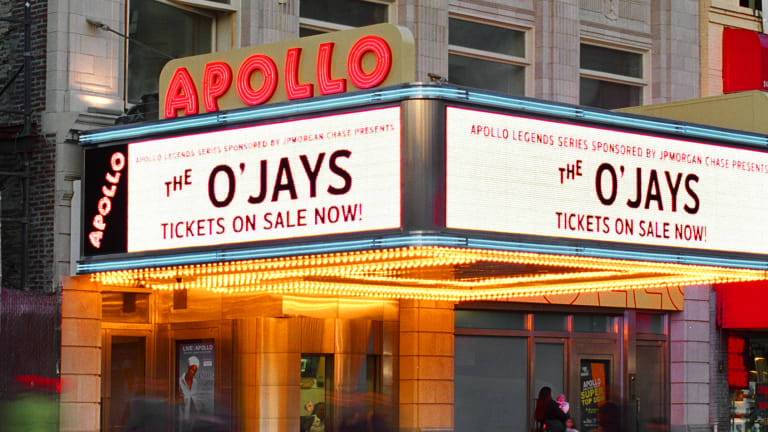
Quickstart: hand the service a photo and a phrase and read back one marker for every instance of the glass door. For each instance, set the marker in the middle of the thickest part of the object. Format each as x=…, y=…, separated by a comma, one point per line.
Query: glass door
x=594, y=376
x=315, y=392
x=124, y=379
x=651, y=401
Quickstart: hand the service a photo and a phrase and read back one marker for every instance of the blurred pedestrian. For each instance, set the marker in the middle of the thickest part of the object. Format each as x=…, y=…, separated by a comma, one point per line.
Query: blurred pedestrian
x=563, y=404
x=149, y=415
x=569, y=426
x=608, y=418
x=35, y=407
x=548, y=415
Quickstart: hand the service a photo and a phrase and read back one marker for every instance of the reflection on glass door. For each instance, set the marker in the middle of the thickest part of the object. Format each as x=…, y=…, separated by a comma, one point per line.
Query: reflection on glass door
x=127, y=378
x=316, y=383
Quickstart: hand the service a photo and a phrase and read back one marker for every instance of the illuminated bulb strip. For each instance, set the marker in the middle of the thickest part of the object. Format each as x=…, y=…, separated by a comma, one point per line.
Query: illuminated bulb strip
x=485, y=283
x=400, y=292
x=372, y=264
x=591, y=262
x=314, y=288
x=409, y=259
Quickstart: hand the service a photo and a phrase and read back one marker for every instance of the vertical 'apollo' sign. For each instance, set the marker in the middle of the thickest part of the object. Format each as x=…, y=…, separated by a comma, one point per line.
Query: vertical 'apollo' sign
x=320, y=65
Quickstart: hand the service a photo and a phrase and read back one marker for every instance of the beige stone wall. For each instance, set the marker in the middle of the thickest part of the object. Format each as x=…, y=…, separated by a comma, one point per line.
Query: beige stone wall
x=426, y=365
x=80, y=406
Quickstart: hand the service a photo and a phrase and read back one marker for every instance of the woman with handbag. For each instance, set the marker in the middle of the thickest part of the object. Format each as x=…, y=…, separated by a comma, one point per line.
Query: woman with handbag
x=548, y=415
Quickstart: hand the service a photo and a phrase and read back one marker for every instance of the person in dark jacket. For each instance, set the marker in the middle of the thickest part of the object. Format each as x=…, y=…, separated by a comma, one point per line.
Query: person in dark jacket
x=548, y=415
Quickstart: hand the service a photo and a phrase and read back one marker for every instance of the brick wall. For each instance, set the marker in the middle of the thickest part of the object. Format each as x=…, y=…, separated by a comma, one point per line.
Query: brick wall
x=34, y=156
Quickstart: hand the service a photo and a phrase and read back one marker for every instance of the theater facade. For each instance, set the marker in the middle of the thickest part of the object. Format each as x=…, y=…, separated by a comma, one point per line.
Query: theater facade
x=426, y=255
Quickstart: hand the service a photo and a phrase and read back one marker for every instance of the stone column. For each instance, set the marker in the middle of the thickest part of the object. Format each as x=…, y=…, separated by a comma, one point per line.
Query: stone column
x=557, y=50
x=426, y=365
x=428, y=20
x=689, y=356
x=269, y=21
x=675, y=62
x=80, y=403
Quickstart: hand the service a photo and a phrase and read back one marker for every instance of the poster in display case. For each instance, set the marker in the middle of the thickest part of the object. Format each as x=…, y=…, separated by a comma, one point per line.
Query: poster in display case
x=593, y=390
x=195, y=385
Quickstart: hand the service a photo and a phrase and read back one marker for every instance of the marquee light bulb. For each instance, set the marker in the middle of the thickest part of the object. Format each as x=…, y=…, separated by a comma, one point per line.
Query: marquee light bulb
x=400, y=273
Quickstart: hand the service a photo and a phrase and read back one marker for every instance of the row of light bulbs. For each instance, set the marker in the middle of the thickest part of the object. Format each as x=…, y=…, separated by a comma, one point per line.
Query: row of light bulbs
x=375, y=274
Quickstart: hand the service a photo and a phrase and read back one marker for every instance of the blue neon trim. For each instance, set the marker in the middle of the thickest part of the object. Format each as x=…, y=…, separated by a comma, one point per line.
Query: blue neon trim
x=421, y=91
x=408, y=241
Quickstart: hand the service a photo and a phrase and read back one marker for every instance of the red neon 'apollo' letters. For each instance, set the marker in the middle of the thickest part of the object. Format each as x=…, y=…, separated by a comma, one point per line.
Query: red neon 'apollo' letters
x=380, y=49
x=293, y=89
x=324, y=81
x=268, y=86
x=181, y=94
x=217, y=77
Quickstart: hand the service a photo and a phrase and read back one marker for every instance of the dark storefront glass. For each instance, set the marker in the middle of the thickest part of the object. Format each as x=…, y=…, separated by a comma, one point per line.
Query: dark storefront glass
x=592, y=323
x=490, y=373
x=548, y=369
x=489, y=320
x=549, y=322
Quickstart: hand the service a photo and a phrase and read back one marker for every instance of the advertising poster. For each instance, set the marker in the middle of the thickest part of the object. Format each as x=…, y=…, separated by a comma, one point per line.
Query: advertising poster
x=593, y=386
x=196, y=380
x=526, y=176
x=334, y=174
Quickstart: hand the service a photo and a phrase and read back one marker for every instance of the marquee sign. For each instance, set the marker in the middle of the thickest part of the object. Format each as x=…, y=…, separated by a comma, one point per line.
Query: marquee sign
x=326, y=64
x=332, y=174
x=518, y=175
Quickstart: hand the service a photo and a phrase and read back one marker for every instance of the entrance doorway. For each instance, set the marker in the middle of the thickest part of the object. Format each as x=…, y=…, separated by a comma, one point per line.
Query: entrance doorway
x=125, y=376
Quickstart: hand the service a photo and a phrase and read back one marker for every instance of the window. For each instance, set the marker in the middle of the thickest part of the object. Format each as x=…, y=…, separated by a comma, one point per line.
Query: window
x=161, y=30
x=549, y=322
x=610, y=78
x=322, y=16
x=489, y=320
x=752, y=4
x=488, y=57
x=592, y=323
x=650, y=323
x=127, y=307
